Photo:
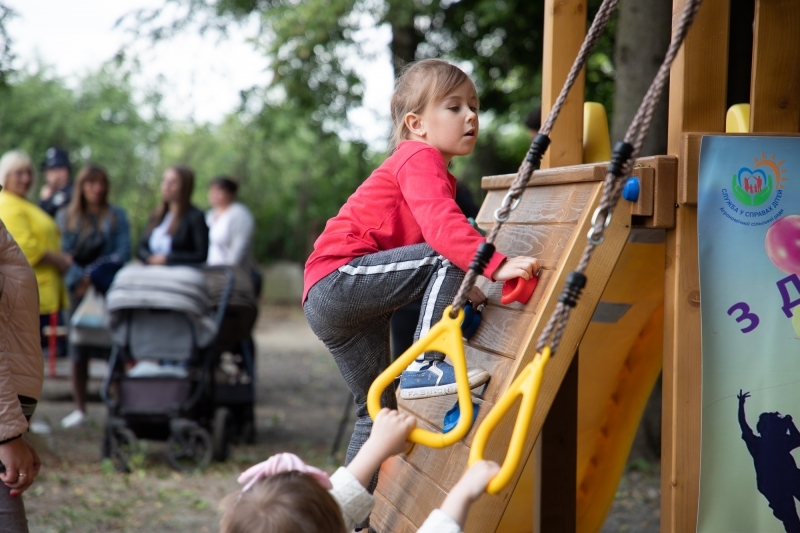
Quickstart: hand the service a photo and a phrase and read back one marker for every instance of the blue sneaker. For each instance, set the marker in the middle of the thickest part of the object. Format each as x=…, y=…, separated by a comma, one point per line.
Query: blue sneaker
x=437, y=378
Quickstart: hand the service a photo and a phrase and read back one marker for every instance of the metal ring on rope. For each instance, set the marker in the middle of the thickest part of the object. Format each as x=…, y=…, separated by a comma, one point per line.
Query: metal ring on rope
x=511, y=201
x=591, y=234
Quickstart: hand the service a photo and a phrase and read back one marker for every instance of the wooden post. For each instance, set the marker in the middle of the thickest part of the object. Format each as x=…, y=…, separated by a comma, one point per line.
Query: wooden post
x=775, y=86
x=697, y=97
x=564, y=31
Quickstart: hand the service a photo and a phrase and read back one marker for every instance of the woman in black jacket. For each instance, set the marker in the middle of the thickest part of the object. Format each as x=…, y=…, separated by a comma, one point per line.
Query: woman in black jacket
x=176, y=233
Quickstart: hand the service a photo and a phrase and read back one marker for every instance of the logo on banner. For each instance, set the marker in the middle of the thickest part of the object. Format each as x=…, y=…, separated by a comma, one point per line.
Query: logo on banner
x=755, y=194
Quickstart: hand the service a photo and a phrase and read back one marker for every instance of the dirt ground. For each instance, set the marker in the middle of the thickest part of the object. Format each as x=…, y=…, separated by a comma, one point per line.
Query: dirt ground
x=300, y=400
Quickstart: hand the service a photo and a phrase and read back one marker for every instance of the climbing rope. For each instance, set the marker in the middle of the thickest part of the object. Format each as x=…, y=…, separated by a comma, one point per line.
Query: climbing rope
x=528, y=381
x=618, y=171
x=533, y=160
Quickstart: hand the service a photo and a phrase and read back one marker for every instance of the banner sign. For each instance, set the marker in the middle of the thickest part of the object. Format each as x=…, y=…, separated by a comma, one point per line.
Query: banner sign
x=748, y=223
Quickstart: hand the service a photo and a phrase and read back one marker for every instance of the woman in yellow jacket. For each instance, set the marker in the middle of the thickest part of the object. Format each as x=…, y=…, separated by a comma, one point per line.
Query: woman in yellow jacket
x=35, y=231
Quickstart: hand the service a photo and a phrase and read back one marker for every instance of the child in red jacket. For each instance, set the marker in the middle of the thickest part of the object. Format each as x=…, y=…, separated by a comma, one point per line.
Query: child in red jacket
x=401, y=236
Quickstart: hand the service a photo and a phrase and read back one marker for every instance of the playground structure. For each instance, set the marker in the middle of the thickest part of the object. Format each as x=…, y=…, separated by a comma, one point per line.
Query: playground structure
x=640, y=307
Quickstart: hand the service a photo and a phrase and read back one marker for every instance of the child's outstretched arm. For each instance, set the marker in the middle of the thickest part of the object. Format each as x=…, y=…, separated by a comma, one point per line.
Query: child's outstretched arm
x=450, y=517
x=389, y=437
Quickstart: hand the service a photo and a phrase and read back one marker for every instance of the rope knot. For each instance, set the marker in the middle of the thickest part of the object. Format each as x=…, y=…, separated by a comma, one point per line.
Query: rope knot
x=572, y=289
x=537, y=150
x=619, y=158
x=482, y=257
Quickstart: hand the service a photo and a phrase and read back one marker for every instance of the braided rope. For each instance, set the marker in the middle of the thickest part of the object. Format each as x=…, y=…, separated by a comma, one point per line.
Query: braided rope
x=613, y=183
x=527, y=167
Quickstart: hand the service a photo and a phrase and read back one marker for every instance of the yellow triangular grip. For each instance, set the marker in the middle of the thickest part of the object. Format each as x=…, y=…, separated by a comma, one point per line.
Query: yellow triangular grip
x=527, y=385
x=445, y=337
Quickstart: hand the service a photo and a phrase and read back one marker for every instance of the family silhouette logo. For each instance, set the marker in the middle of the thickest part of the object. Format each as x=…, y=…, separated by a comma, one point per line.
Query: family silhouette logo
x=755, y=194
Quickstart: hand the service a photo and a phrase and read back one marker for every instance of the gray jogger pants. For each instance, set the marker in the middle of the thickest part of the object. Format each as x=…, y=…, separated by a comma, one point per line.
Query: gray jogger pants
x=350, y=309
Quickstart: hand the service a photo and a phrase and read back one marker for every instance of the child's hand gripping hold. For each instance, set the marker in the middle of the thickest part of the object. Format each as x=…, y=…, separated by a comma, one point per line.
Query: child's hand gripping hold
x=389, y=437
x=517, y=267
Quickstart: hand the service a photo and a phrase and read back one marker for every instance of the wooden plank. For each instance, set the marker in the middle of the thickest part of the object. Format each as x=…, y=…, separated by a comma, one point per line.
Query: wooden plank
x=385, y=517
x=550, y=176
x=544, y=242
x=682, y=377
x=775, y=81
x=559, y=456
x=409, y=490
x=697, y=102
x=666, y=172
x=664, y=175
x=687, y=175
x=699, y=74
x=643, y=206
x=564, y=30
x=598, y=272
x=546, y=205
x=501, y=329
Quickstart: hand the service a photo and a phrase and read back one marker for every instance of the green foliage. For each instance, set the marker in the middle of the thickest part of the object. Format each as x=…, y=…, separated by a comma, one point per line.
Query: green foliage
x=501, y=41
x=6, y=55
x=293, y=176
x=295, y=172
x=98, y=121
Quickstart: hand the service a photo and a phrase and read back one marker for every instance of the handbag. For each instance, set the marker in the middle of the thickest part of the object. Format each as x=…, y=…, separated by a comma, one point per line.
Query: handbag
x=89, y=322
x=89, y=247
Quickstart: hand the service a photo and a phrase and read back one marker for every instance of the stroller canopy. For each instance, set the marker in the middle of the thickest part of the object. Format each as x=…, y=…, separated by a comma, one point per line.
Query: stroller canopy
x=175, y=288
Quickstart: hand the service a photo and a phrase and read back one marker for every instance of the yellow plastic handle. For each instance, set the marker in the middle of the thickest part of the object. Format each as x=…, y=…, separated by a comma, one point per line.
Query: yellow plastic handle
x=445, y=337
x=527, y=385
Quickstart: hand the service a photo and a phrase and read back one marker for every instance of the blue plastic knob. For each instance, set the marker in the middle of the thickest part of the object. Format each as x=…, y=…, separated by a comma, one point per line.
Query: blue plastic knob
x=452, y=416
x=631, y=190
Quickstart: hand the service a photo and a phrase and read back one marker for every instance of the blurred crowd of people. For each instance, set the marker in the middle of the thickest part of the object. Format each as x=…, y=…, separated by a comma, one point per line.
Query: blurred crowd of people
x=65, y=241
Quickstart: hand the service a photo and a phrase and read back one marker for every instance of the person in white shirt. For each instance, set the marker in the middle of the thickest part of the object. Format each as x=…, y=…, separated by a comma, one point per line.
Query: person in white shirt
x=284, y=495
x=230, y=224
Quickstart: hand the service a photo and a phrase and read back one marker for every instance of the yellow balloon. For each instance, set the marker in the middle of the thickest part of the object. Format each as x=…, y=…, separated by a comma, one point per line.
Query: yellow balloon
x=796, y=323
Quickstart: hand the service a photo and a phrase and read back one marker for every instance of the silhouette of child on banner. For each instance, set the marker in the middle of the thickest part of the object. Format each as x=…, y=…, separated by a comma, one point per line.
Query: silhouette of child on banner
x=777, y=475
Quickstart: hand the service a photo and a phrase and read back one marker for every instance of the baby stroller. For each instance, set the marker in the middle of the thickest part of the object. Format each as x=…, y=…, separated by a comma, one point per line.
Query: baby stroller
x=234, y=376
x=159, y=384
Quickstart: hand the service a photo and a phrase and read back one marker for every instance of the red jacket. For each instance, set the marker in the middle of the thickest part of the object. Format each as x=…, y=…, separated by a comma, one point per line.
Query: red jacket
x=409, y=199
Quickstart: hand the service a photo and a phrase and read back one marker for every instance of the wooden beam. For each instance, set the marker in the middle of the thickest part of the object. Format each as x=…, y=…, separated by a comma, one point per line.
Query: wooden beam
x=698, y=78
x=697, y=101
x=775, y=85
x=564, y=31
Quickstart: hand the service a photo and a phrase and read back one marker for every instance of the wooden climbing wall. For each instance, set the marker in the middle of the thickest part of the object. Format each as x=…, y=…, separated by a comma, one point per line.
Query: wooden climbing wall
x=550, y=223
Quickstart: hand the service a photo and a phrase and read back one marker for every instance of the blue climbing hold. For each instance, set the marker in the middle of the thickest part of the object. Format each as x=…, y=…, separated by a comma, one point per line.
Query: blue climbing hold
x=631, y=190
x=472, y=319
x=451, y=417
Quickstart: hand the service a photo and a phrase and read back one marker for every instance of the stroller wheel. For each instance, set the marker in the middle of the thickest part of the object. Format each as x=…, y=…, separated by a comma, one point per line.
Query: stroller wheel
x=189, y=447
x=223, y=426
x=119, y=446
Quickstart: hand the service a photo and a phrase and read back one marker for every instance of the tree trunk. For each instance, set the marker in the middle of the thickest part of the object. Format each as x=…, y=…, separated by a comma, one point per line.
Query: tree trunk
x=642, y=38
x=405, y=37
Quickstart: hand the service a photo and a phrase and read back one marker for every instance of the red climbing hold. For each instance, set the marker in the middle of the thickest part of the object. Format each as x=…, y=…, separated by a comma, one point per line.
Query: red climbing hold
x=518, y=290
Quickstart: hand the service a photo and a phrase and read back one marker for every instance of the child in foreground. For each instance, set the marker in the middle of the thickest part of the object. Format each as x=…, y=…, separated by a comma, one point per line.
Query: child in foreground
x=283, y=495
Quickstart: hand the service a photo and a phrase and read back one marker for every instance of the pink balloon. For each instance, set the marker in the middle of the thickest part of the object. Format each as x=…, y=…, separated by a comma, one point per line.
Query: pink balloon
x=783, y=244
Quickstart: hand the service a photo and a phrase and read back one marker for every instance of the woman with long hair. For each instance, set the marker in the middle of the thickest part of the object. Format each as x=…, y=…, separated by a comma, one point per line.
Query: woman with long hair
x=97, y=236
x=176, y=233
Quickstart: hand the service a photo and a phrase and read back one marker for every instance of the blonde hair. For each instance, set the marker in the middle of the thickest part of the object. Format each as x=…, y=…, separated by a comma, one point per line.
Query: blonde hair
x=11, y=161
x=282, y=503
x=421, y=84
